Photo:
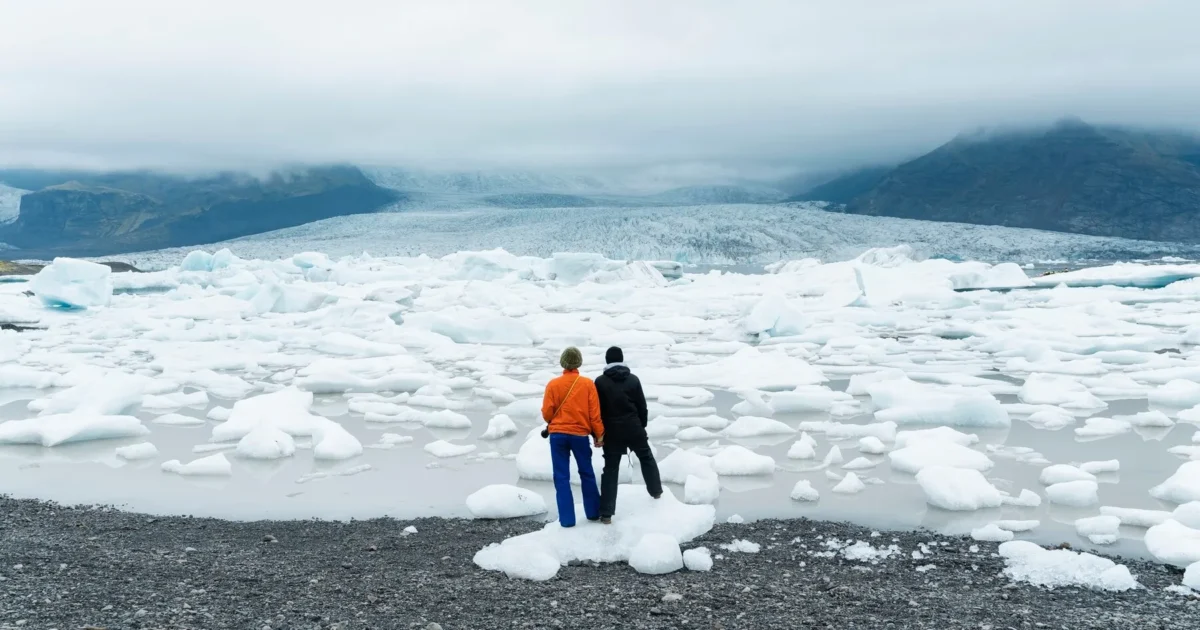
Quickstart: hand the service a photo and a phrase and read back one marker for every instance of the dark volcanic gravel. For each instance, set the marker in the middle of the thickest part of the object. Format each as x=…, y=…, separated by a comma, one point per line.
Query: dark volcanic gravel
x=71, y=568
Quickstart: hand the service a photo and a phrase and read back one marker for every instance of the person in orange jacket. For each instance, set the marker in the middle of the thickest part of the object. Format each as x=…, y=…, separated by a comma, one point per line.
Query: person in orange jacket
x=571, y=410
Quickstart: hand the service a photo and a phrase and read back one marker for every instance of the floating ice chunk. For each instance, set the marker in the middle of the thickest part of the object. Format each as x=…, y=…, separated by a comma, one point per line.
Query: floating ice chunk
x=735, y=519
x=1177, y=393
x=483, y=326
x=922, y=454
x=505, y=501
x=833, y=457
x=659, y=428
x=772, y=315
x=1101, y=530
x=220, y=414
x=534, y=462
x=59, y=429
x=1103, y=427
x=679, y=465
x=1018, y=526
x=176, y=400
x=144, y=450
x=177, y=420
x=1181, y=487
x=804, y=491
x=840, y=431
x=692, y=434
x=113, y=393
x=1051, y=419
x=701, y=490
x=332, y=441
x=1100, y=467
x=1027, y=562
x=738, y=460
x=71, y=283
x=637, y=515
x=1152, y=418
x=808, y=398
x=211, y=466
x=442, y=448
x=446, y=419
x=1060, y=473
x=957, y=489
x=266, y=443
x=286, y=410
x=1174, y=543
x=1136, y=518
x=197, y=260
x=937, y=434
x=500, y=426
x=850, y=484
x=870, y=445
x=528, y=409
x=1051, y=389
x=907, y=402
x=1074, y=493
x=859, y=463
x=991, y=533
x=219, y=385
x=680, y=396
x=749, y=368
x=698, y=559
x=1027, y=498
x=751, y=426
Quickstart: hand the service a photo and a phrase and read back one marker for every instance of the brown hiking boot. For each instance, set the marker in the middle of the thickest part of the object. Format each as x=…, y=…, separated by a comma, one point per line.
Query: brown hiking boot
x=606, y=520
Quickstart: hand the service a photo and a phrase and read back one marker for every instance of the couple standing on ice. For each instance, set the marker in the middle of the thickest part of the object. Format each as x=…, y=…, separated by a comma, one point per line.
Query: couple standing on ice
x=613, y=411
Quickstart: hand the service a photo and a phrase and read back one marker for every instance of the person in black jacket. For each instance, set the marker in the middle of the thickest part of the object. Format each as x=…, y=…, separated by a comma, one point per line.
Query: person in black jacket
x=623, y=411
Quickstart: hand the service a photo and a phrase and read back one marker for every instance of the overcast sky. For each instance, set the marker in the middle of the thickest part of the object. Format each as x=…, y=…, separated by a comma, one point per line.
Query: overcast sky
x=753, y=84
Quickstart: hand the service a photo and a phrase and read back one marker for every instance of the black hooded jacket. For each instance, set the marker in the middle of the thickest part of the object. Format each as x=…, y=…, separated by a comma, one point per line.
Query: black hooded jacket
x=622, y=403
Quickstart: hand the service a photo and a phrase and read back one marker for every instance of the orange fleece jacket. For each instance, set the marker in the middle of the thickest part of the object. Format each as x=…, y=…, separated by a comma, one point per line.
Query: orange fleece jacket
x=580, y=412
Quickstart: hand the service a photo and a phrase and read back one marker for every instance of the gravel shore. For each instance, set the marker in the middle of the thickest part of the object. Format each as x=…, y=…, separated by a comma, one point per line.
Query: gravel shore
x=70, y=568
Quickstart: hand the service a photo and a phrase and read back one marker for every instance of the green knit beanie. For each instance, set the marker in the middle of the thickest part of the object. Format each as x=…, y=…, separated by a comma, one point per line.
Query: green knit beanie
x=571, y=359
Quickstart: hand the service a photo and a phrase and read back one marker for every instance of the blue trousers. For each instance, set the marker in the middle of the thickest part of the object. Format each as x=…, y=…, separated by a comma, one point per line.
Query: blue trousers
x=562, y=446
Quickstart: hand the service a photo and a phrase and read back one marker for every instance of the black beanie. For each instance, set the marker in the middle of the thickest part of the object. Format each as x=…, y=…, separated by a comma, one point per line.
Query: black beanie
x=614, y=355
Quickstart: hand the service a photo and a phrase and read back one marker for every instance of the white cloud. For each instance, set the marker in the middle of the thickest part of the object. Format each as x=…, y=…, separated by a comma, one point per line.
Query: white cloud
x=541, y=83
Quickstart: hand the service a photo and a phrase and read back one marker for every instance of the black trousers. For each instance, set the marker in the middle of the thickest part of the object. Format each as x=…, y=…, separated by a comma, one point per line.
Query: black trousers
x=614, y=450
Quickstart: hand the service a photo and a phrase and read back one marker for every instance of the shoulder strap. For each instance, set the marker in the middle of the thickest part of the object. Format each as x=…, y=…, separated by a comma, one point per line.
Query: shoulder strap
x=564, y=400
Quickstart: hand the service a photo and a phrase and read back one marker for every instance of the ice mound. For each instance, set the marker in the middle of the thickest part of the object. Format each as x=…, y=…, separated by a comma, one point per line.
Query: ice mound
x=700, y=490
x=1135, y=517
x=1051, y=419
x=957, y=489
x=54, y=430
x=1177, y=393
x=178, y=420
x=1191, y=576
x=804, y=491
x=885, y=431
x=1103, y=427
x=529, y=556
x=936, y=434
x=907, y=402
x=1152, y=418
x=850, y=484
x=1188, y=514
x=870, y=445
x=1101, y=467
x=775, y=317
x=266, y=443
x=287, y=410
x=144, y=450
x=211, y=466
x=505, y=501
x=1174, y=543
x=1027, y=498
x=922, y=454
x=444, y=449
x=73, y=284
x=749, y=368
x=1060, y=473
x=991, y=532
x=695, y=434
x=1074, y=493
x=808, y=398
x=738, y=460
x=833, y=457
x=500, y=426
x=175, y=401
x=751, y=426
x=1027, y=562
x=534, y=462
x=1181, y=487
x=681, y=464
x=111, y=394
x=656, y=554
x=482, y=326
x=698, y=559
x=859, y=463
x=1052, y=389
x=1100, y=530
x=1018, y=526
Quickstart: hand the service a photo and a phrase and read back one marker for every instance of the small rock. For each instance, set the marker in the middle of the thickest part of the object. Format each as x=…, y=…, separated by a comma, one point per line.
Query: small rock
x=106, y=608
x=433, y=626
x=672, y=597
x=140, y=613
x=270, y=539
x=372, y=548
